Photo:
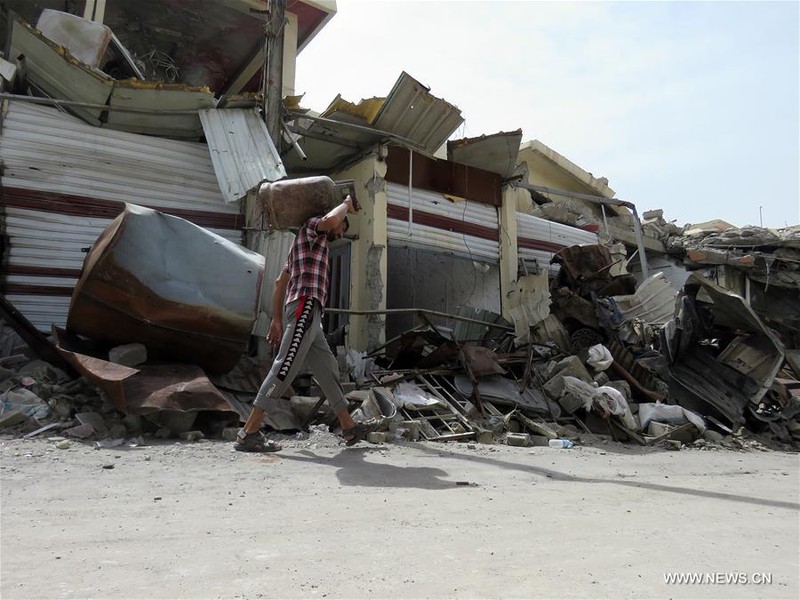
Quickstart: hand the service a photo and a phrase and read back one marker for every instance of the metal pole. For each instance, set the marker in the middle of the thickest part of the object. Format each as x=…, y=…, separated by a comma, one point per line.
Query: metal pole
x=637, y=230
x=273, y=94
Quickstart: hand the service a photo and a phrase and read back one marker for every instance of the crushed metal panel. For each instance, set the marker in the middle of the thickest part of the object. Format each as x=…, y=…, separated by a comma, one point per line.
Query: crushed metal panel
x=146, y=389
x=185, y=293
x=157, y=97
x=764, y=349
x=496, y=153
x=731, y=310
x=52, y=69
x=793, y=360
x=327, y=144
x=466, y=331
x=241, y=150
x=410, y=111
x=505, y=392
x=751, y=355
x=704, y=386
x=653, y=301
x=745, y=369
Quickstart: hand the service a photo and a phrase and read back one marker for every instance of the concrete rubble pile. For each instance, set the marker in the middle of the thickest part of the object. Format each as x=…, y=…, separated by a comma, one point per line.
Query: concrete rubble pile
x=589, y=353
x=159, y=339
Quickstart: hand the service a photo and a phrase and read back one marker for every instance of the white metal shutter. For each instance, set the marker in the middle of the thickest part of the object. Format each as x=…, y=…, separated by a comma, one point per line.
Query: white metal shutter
x=539, y=239
x=47, y=154
x=464, y=228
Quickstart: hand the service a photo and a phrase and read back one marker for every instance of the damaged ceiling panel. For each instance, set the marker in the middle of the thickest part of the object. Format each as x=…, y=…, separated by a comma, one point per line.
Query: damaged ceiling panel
x=653, y=301
x=327, y=144
x=241, y=150
x=158, y=102
x=362, y=113
x=410, y=111
x=51, y=69
x=496, y=153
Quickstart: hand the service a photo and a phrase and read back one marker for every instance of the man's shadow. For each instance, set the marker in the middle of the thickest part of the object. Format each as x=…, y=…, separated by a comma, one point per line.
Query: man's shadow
x=354, y=470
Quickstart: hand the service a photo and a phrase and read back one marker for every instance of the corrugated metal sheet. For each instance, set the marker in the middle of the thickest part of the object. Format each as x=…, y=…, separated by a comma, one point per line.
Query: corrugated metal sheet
x=75, y=176
x=274, y=247
x=450, y=217
x=653, y=302
x=538, y=239
x=46, y=150
x=241, y=150
x=41, y=311
x=410, y=111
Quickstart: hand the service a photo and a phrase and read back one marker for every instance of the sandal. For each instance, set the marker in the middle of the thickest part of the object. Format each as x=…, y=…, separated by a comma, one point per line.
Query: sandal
x=255, y=442
x=359, y=431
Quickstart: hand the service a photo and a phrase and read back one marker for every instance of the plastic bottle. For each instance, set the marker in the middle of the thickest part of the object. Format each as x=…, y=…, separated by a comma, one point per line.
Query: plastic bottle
x=559, y=443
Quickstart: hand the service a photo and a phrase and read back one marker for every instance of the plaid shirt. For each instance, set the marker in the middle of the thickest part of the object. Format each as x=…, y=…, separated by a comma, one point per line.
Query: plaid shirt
x=307, y=264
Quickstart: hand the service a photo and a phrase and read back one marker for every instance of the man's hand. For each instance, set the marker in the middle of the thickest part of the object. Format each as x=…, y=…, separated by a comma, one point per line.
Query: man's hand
x=275, y=333
x=352, y=205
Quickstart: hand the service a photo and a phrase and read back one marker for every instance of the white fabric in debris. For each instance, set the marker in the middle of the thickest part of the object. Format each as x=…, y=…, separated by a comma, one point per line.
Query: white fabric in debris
x=411, y=395
x=599, y=357
x=603, y=398
x=671, y=414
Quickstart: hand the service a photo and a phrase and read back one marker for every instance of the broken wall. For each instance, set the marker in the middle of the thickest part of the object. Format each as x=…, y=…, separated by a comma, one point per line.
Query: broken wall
x=368, y=266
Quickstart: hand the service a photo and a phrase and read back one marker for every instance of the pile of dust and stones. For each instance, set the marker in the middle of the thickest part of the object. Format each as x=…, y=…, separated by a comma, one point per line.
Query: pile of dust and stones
x=59, y=403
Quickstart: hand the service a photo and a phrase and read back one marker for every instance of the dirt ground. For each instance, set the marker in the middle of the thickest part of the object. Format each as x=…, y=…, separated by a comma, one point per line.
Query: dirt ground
x=400, y=520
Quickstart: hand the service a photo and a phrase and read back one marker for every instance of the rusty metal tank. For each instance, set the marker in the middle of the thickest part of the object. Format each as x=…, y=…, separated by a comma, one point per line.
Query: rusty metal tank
x=289, y=203
x=187, y=294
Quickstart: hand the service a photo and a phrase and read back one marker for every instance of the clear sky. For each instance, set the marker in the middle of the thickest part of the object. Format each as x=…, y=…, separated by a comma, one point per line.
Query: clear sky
x=692, y=107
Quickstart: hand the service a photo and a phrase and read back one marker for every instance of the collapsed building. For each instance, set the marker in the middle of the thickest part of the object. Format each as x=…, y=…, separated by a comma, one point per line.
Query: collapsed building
x=489, y=288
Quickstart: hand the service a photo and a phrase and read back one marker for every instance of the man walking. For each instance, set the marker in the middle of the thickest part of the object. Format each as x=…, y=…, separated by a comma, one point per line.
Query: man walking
x=296, y=330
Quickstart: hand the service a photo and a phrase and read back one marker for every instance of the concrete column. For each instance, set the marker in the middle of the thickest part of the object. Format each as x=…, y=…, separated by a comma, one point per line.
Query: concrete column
x=368, y=252
x=289, y=54
x=508, y=242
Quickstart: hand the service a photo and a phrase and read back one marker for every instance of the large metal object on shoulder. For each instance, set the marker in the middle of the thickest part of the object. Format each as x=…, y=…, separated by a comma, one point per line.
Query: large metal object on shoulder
x=187, y=294
x=289, y=203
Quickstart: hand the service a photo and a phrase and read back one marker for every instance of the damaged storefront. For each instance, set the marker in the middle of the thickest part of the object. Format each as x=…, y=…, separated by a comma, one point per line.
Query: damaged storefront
x=489, y=290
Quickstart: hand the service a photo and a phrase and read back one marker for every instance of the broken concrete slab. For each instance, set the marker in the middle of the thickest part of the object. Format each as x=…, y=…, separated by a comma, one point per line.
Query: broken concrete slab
x=129, y=355
x=570, y=366
x=518, y=439
x=83, y=431
x=10, y=418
